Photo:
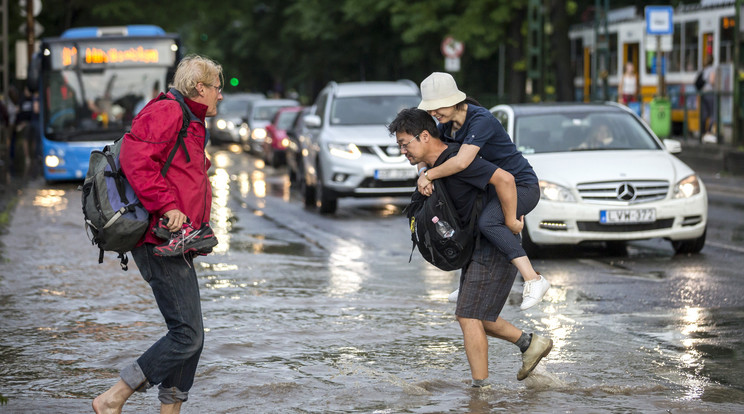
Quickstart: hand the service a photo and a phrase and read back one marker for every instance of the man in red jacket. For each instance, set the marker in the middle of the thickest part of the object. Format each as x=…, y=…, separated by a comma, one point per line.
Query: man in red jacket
x=183, y=197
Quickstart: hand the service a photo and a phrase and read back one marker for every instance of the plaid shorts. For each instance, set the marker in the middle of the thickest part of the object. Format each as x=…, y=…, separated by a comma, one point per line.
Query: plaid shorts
x=485, y=284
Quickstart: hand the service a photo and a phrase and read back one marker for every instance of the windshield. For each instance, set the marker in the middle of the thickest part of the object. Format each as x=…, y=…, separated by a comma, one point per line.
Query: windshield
x=370, y=110
x=234, y=106
x=84, y=99
x=286, y=119
x=266, y=113
x=576, y=131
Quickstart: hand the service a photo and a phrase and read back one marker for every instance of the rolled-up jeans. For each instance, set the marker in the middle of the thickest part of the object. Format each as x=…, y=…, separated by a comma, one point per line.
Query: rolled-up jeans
x=172, y=360
x=493, y=224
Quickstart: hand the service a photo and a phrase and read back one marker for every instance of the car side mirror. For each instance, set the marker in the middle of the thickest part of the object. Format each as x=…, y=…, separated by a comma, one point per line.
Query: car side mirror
x=312, y=121
x=673, y=146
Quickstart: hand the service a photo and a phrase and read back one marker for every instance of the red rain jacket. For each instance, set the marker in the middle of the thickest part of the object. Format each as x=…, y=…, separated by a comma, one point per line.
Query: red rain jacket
x=145, y=150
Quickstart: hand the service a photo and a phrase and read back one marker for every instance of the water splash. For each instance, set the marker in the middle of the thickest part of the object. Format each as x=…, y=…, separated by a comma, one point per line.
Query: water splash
x=541, y=378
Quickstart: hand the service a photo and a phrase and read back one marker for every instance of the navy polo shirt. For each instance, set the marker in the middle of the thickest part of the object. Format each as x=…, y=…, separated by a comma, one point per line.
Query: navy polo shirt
x=483, y=130
x=464, y=187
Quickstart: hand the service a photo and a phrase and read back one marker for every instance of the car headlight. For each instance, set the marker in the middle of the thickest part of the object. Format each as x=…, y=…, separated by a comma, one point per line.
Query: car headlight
x=555, y=192
x=230, y=125
x=688, y=187
x=348, y=151
x=243, y=131
x=221, y=124
x=258, y=133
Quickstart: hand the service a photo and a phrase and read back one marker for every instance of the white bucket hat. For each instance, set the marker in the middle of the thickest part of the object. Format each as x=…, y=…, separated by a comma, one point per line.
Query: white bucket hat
x=439, y=90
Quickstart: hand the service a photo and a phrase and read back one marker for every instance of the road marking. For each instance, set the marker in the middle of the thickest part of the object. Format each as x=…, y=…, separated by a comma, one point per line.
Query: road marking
x=725, y=246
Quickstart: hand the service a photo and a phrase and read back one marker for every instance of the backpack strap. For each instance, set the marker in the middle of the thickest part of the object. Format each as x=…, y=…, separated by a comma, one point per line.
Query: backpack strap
x=186, y=120
x=116, y=175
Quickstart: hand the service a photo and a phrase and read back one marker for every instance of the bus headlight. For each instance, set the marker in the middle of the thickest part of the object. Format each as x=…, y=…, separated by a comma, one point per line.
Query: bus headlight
x=51, y=161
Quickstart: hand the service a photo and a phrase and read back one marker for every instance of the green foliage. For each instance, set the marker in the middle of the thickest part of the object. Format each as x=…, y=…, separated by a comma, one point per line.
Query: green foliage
x=302, y=44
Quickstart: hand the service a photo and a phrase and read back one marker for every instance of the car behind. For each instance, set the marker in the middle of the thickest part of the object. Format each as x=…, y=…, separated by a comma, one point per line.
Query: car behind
x=349, y=151
x=226, y=126
x=260, y=114
x=276, y=142
x=604, y=176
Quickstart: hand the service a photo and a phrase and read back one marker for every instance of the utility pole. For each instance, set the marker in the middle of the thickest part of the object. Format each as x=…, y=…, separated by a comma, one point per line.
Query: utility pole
x=601, y=55
x=738, y=136
x=535, y=68
x=30, y=36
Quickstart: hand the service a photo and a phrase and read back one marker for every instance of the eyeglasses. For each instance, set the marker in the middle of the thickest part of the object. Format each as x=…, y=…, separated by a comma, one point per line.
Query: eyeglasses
x=405, y=146
x=219, y=88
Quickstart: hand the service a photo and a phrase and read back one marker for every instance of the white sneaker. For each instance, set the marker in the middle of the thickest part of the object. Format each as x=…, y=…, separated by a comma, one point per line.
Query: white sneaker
x=710, y=138
x=453, y=296
x=534, y=290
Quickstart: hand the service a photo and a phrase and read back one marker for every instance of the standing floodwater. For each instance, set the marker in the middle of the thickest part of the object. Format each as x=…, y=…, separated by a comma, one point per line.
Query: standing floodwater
x=324, y=314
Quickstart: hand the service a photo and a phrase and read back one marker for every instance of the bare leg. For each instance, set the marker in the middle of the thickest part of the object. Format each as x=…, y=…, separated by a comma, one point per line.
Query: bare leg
x=112, y=401
x=474, y=332
x=502, y=329
x=524, y=266
x=170, y=408
x=476, y=347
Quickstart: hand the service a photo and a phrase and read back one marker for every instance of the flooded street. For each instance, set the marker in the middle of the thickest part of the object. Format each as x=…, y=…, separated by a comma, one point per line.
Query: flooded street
x=307, y=313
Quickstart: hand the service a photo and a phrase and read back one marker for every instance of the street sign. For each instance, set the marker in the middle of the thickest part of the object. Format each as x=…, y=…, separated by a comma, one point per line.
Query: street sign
x=36, y=5
x=38, y=29
x=452, y=64
x=666, y=43
x=452, y=48
x=659, y=20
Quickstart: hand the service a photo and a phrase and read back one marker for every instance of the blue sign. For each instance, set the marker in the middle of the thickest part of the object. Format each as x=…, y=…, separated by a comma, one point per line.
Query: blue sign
x=659, y=20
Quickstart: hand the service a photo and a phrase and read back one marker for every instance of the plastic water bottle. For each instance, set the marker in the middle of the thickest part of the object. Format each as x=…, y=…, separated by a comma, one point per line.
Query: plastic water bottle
x=443, y=228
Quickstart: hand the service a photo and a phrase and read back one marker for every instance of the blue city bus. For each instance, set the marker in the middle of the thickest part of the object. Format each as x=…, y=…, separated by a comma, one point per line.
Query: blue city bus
x=91, y=82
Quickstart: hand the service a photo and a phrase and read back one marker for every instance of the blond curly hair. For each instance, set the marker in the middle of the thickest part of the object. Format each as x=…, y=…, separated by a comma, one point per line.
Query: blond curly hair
x=194, y=69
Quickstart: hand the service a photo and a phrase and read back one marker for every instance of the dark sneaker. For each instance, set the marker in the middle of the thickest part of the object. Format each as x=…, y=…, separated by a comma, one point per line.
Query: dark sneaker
x=188, y=240
x=539, y=348
x=161, y=230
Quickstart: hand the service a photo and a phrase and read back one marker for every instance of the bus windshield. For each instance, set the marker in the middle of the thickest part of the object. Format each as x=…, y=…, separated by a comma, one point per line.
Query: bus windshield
x=92, y=92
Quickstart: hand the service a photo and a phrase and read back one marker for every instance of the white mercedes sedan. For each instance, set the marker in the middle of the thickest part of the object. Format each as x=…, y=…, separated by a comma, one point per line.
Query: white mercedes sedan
x=604, y=176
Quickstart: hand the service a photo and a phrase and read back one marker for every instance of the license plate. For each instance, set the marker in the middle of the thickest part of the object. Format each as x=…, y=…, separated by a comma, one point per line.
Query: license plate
x=643, y=215
x=395, y=174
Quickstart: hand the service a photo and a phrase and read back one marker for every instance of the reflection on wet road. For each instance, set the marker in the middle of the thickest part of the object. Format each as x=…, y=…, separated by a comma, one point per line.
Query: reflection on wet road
x=313, y=313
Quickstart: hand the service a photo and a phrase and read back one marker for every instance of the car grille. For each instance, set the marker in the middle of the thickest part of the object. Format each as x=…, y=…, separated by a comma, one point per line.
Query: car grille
x=625, y=192
x=623, y=228
x=370, y=182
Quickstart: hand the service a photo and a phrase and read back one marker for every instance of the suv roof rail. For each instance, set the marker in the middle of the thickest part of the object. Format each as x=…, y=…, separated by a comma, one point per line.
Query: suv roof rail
x=409, y=83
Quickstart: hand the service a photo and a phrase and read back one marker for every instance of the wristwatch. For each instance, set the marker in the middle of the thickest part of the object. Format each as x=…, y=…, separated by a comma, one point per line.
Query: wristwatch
x=426, y=174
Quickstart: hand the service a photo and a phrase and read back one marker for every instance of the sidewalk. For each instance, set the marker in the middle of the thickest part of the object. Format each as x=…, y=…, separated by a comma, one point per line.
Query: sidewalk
x=721, y=167
x=712, y=159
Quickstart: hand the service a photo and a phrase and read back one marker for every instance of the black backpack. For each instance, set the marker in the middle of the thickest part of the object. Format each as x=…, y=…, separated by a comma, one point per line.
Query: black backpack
x=113, y=214
x=436, y=229
x=699, y=81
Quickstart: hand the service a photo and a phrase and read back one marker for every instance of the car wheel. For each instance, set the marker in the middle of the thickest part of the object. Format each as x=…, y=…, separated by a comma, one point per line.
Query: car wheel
x=689, y=246
x=328, y=200
x=531, y=248
x=293, y=177
x=616, y=248
x=275, y=160
x=307, y=191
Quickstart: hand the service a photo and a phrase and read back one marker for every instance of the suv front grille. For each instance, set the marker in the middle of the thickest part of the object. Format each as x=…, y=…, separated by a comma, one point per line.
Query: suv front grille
x=370, y=182
x=625, y=192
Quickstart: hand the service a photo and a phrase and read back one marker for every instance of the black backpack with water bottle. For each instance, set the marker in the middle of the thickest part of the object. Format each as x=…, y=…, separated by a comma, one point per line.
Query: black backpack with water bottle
x=436, y=229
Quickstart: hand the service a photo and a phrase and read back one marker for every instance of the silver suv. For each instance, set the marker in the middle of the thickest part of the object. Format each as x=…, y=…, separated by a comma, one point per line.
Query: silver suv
x=349, y=152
